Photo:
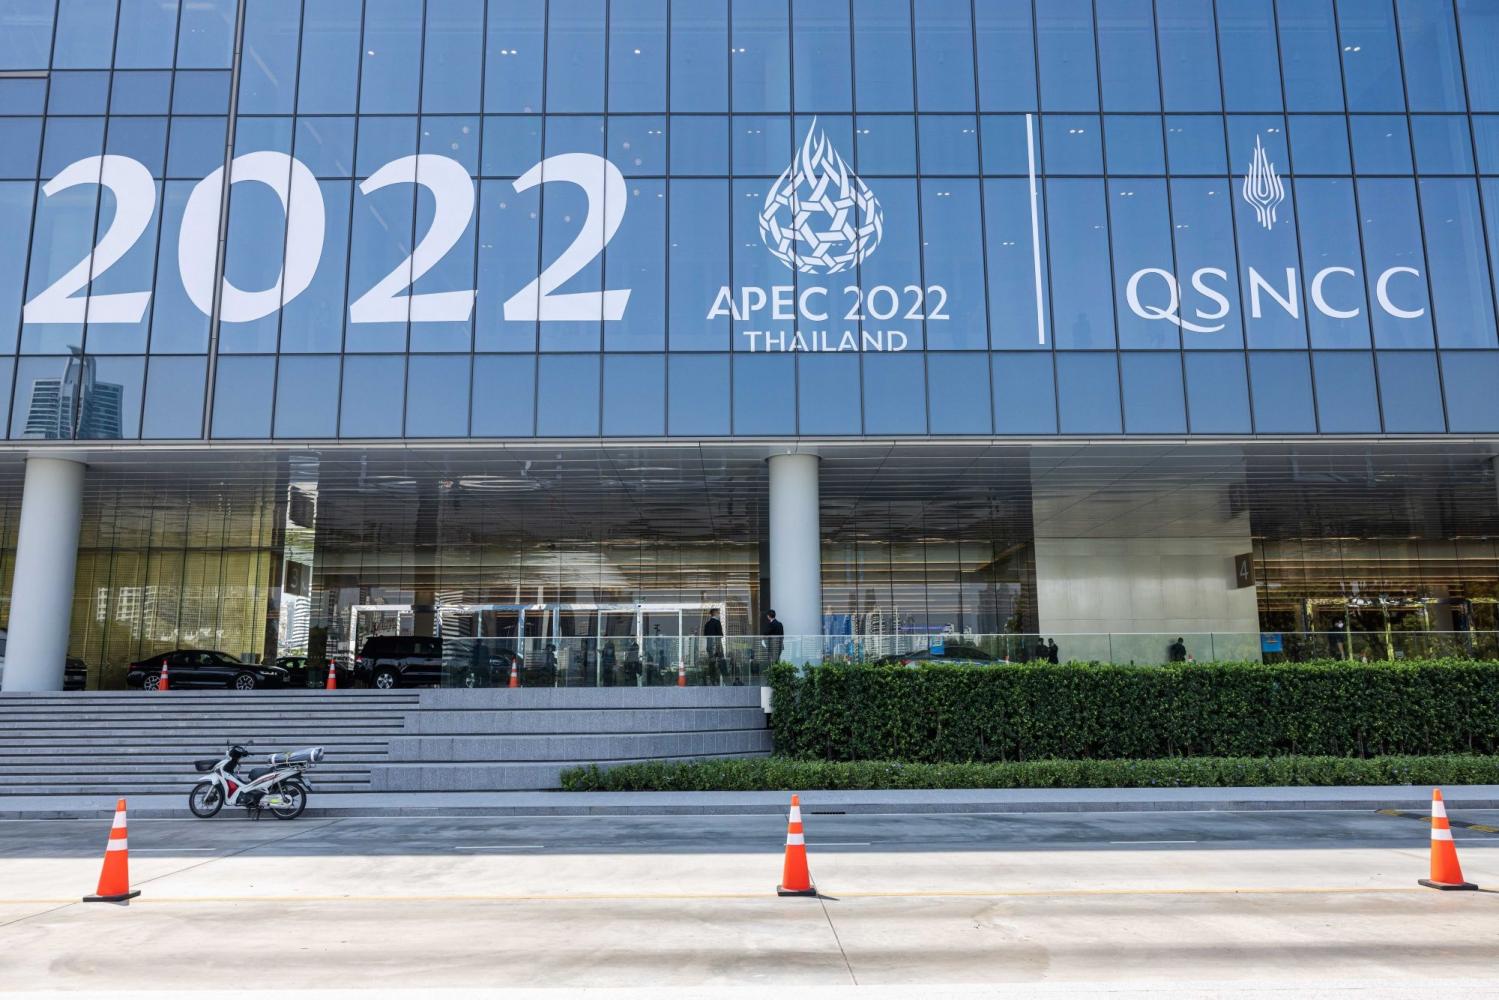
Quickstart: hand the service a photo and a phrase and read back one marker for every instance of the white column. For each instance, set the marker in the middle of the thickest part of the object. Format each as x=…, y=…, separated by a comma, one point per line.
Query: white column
x=41, y=602
x=796, y=552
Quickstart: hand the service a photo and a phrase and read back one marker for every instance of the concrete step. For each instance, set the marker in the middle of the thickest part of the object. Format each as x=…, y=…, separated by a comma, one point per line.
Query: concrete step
x=526, y=776
x=623, y=720
x=592, y=747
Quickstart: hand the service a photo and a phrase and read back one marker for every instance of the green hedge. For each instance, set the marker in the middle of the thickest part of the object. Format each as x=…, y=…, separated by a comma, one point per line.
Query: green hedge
x=784, y=774
x=1016, y=712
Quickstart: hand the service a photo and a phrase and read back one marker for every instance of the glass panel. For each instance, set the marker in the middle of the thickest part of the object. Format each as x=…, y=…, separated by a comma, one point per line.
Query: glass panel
x=174, y=398
x=437, y=388
x=634, y=395
x=944, y=55
x=26, y=33
x=1217, y=393
x=20, y=147
x=1088, y=392
x=1468, y=380
x=1024, y=394
x=958, y=395
x=1134, y=144
x=306, y=397
x=1319, y=144
x=1410, y=393
x=1077, y=224
x=1335, y=306
x=514, y=56
x=1381, y=144
x=243, y=393
x=1127, y=56
x=1371, y=62
x=80, y=94
x=575, y=55
x=1006, y=55
x=1206, y=262
x=883, y=60
x=452, y=68
x=1345, y=392
x=636, y=259
x=1309, y=55
x=1433, y=64
x=205, y=34
x=314, y=320
x=329, y=82
x=1479, y=21
x=764, y=394
x=955, y=263
x=390, y=72
x=1141, y=226
x=84, y=34
x=698, y=394
x=1013, y=276
x=568, y=395
x=15, y=217
x=698, y=259
x=1392, y=238
x=1072, y=144
x=760, y=56
x=1247, y=48
x=822, y=75
x=504, y=396
x=1442, y=144
x=1064, y=38
x=268, y=71
x=1189, y=55
x=1282, y=392
x=699, y=69
x=1462, y=297
x=949, y=144
x=894, y=394
x=141, y=93
x=1153, y=402
x=828, y=393
x=373, y=397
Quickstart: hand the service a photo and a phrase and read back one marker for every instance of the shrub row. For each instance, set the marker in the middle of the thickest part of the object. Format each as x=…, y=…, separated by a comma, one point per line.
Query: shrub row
x=1014, y=712
x=785, y=774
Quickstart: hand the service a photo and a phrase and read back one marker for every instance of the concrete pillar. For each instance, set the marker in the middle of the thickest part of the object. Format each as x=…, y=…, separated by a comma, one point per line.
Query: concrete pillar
x=796, y=552
x=41, y=602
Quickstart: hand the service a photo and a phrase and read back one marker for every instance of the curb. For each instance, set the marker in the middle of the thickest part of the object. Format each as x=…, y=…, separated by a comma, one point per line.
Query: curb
x=810, y=808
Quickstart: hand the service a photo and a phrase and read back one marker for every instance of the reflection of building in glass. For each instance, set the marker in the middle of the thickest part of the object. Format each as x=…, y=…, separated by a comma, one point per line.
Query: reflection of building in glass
x=76, y=405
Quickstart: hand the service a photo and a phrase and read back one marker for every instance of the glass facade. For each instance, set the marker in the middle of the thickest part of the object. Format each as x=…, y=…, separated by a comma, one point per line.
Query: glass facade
x=703, y=219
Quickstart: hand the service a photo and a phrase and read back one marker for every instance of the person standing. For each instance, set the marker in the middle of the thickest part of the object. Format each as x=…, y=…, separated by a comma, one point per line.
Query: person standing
x=1177, y=651
x=775, y=635
x=713, y=632
x=1051, y=651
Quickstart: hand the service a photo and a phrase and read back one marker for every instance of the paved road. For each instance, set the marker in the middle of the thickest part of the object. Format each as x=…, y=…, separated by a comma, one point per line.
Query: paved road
x=1262, y=899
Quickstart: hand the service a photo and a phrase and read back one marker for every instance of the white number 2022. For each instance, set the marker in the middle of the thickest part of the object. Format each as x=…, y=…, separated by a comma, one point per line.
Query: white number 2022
x=302, y=202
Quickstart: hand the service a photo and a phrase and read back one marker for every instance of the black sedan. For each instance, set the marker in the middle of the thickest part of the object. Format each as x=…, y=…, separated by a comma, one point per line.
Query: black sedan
x=952, y=652
x=204, y=668
x=300, y=677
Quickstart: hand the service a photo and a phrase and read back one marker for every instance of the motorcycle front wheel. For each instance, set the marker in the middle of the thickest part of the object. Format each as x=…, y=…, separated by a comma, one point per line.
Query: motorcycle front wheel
x=205, y=800
x=293, y=801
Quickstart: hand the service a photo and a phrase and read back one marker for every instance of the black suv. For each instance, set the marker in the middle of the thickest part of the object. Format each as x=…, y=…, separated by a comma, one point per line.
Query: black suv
x=389, y=661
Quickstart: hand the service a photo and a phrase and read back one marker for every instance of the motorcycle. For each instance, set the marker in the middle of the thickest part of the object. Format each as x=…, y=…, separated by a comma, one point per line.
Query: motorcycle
x=280, y=787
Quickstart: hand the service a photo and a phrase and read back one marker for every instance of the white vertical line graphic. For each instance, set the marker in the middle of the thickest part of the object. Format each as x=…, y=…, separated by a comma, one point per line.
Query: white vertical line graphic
x=1030, y=162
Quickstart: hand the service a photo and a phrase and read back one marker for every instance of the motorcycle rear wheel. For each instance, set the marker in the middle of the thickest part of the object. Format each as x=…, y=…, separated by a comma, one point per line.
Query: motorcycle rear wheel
x=294, y=801
x=205, y=800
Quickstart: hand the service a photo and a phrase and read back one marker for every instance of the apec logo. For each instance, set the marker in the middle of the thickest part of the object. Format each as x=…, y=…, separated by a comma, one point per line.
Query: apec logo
x=819, y=218
x=1263, y=191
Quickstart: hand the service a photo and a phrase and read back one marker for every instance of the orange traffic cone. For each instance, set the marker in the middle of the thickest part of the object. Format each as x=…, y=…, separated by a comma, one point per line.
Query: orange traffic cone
x=795, y=879
x=161, y=682
x=114, y=879
x=1446, y=873
x=681, y=674
x=514, y=674
x=332, y=683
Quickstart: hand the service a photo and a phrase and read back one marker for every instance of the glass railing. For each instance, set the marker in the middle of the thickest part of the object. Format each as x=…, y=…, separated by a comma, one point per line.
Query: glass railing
x=664, y=661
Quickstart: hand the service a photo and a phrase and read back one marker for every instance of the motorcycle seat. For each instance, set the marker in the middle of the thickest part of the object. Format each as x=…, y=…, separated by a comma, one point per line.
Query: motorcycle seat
x=258, y=772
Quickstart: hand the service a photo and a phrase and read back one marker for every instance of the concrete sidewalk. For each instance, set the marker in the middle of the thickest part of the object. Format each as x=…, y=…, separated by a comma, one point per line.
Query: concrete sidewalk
x=1030, y=800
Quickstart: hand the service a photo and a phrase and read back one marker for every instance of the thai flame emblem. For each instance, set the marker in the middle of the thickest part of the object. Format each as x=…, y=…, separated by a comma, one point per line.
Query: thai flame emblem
x=1262, y=187
x=819, y=217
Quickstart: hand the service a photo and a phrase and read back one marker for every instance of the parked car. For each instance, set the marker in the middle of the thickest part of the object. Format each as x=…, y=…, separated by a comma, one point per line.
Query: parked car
x=299, y=676
x=204, y=668
x=390, y=661
x=952, y=652
x=74, y=674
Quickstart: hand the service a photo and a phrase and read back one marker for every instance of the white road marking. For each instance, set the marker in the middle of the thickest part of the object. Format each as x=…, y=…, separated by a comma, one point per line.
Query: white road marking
x=498, y=847
x=1152, y=841
x=840, y=843
x=170, y=850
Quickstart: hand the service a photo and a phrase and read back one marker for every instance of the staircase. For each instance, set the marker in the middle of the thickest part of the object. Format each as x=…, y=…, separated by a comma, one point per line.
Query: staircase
x=139, y=743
